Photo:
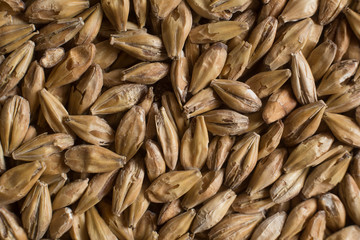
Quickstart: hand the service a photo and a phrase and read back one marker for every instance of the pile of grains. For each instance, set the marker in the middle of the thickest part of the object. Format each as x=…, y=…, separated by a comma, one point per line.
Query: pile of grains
x=180, y=119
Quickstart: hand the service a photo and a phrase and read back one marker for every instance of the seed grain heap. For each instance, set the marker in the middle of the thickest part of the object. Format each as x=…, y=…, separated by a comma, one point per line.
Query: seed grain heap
x=180, y=119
